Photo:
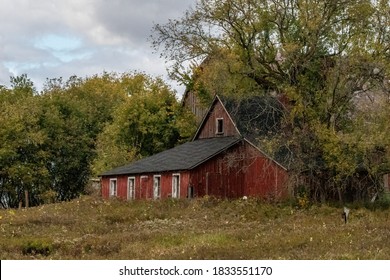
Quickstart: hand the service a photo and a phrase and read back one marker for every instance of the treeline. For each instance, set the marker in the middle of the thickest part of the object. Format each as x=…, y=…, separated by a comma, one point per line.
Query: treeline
x=54, y=141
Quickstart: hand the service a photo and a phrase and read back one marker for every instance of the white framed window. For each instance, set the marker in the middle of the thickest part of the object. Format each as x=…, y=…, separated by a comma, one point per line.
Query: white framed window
x=113, y=187
x=157, y=186
x=175, y=185
x=130, y=188
x=219, y=126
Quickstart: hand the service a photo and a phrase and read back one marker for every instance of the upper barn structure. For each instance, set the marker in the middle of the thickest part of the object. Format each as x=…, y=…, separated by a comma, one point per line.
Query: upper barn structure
x=221, y=160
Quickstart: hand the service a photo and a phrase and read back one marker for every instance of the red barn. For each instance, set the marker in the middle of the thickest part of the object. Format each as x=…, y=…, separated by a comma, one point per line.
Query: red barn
x=220, y=161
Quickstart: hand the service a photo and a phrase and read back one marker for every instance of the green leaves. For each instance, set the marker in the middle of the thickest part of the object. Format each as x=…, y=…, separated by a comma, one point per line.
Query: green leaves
x=22, y=160
x=149, y=121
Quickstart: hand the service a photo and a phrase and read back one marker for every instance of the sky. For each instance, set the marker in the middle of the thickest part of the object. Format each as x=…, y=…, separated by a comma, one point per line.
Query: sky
x=60, y=38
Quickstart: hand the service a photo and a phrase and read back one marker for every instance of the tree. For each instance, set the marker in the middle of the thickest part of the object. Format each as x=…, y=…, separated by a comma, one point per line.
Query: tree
x=149, y=121
x=22, y=160
x=321, y=56
x=74, y=114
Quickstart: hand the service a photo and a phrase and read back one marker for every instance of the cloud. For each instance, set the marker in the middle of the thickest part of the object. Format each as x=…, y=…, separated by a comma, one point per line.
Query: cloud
x=51, y=38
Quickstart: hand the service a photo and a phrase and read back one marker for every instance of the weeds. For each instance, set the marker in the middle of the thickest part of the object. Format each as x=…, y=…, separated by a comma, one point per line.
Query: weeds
x=206, y=228
x=37, y=247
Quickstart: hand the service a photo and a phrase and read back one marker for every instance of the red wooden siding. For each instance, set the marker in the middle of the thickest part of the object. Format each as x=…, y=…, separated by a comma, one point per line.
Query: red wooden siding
x=263, y=177
x=209, y=126
x=243, y=170
x=144, y=185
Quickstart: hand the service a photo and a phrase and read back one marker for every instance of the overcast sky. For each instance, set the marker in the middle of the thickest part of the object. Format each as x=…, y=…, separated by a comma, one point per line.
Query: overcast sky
x=60, y=38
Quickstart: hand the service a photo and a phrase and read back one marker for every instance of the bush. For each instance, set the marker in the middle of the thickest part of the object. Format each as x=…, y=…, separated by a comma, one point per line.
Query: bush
x=302, y=197
x=37, y=247
x=382, y=203
x=49, y=196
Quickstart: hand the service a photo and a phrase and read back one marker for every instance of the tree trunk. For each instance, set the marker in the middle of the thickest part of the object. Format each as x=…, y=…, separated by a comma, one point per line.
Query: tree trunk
x=340, y=195
x=26, y=199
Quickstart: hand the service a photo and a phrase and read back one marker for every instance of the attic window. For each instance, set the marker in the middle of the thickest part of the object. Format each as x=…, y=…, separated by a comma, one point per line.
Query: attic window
x=219, y=124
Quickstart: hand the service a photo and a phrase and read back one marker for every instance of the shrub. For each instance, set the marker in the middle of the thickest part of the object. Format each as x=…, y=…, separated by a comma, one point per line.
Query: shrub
x=382, y=203
x=37, y=247
x=303, y=200
x=49, y=196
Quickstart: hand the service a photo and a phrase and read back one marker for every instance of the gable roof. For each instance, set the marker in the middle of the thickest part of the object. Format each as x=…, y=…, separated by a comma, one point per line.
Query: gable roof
x=183, y=157
x=253, y=116
x=206, y=116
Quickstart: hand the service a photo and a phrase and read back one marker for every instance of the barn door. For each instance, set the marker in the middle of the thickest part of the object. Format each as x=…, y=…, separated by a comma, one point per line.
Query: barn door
x=214, y=184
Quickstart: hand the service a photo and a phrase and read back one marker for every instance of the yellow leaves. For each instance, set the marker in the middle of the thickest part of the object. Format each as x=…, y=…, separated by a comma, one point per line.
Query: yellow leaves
x=290, y=48
x=340, y=151
x=303, y=201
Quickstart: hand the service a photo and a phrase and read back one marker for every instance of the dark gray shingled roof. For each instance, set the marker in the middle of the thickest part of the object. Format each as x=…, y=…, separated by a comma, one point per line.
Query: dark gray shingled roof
x=182, y=157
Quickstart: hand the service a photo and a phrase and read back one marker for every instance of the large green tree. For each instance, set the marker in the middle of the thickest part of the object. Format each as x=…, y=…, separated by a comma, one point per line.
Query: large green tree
x=22, y=158
x=321, y=58
x=74, y=113
x=150, y=120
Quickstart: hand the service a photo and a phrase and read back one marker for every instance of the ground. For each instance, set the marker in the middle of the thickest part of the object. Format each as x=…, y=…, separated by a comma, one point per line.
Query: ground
x=92, y=228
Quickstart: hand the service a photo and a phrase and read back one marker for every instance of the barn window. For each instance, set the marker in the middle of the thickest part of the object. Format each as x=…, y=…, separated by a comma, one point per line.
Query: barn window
x=131, y=188
x=176, y=186
x=156, y=186
x=219, y=124
x=113, y=187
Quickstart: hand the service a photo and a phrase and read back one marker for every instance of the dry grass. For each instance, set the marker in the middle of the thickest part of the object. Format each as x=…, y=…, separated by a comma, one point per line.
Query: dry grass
x=90, y=228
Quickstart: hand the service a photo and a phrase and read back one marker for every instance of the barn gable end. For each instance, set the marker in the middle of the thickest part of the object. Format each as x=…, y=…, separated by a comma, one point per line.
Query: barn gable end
x=217, y=122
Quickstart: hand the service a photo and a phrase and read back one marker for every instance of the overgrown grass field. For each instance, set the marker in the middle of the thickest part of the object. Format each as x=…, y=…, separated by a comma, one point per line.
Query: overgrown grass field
x=91, y=228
